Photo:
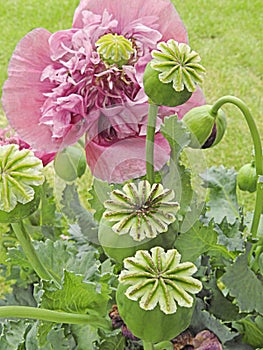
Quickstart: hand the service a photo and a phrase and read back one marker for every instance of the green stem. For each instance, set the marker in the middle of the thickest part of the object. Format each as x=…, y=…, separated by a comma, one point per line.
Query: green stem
x=50, y=315
x=258, y=153
x=147, y=345
x=29, y=250
x=151, y=126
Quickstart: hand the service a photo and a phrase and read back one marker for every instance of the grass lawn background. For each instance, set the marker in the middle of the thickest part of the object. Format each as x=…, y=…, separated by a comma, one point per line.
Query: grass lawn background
x=228, y=35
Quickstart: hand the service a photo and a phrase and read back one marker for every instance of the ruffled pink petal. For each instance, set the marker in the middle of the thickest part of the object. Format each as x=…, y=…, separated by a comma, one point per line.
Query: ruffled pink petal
x=24, y=94
x=124, y=159
x=168, y=21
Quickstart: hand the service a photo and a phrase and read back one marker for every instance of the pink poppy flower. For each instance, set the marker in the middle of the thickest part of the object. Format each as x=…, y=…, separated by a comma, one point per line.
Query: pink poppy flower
x=8, y=136
x=65, y=85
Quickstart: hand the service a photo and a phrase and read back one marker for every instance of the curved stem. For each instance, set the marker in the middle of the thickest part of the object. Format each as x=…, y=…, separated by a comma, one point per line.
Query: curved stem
x=258, y=153
x=50, y=315
x=29, y=250
x=147, y=345
x=151, y=125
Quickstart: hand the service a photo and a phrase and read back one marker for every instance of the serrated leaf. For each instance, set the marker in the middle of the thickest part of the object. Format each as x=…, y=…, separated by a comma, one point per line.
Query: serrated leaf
x=77, y=296
x=178, y=179
x=198, y=240
x=222, y=194
x=43, y=328
x=244, y=285
x=230, y=236
x=204, y=320
x=252, y=330
x=220, y=306
x=55, y=338
x=74, y=211
x=113, y=342
x=63, y=255
x=13, y=334
x=175, y=133
x=17, y=257
x=85, y=336
x=237, y=344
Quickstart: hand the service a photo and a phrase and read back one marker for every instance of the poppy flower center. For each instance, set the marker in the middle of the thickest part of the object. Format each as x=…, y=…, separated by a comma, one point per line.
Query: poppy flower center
x=115, y=49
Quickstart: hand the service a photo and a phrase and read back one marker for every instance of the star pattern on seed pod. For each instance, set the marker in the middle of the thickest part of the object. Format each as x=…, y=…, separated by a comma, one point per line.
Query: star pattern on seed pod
x=158, y=277
x=115, y=48
x=178, y=64
x=19, y=171
x=143, y=211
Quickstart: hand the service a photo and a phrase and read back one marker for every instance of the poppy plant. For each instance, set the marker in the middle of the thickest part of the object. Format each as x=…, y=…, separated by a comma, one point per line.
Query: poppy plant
x=89, y=80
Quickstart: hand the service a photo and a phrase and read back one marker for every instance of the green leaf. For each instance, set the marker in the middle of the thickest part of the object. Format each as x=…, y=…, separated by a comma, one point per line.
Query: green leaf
x=198, y=240
x=75, y=212
x=220, y=306
x=63, y=255
x=178, y=179
x=85, y=336
x=112, y=341
x=100, y=193
x=5, y=241
x=252, y=330
x=237, y=344
x=230, y=236
x=13, y=334
x=54, y=337
x=204, y=320
x=77, y=296
x=48, y=206
x=175, y=133
x=244, y=285
x=222, y=194
x=17, y=257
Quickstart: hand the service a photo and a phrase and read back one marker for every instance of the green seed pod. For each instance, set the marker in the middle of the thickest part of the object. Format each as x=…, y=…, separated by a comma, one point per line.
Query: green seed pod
x=155, y=296
x=162, y=94
x=20, y=176
x=247, y=178
x=21, y=211
x=70, y=163
x=137, y=217
x=119, y=247
x=152, y=325
x=206, y=129
x=171, y=77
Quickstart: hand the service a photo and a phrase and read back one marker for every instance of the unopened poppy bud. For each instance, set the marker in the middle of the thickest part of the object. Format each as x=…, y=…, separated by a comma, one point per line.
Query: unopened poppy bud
x=171, y=77
x=247, y=178
x=207, y=129
x=70, y=163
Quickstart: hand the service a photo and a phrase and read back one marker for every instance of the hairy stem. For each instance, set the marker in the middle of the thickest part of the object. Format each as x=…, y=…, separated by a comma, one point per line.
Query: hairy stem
x=50, y=315
x=258, y=153
x=152, y=116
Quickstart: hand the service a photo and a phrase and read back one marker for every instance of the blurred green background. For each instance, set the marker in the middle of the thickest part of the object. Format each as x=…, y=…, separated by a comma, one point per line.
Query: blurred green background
x=227, y=34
